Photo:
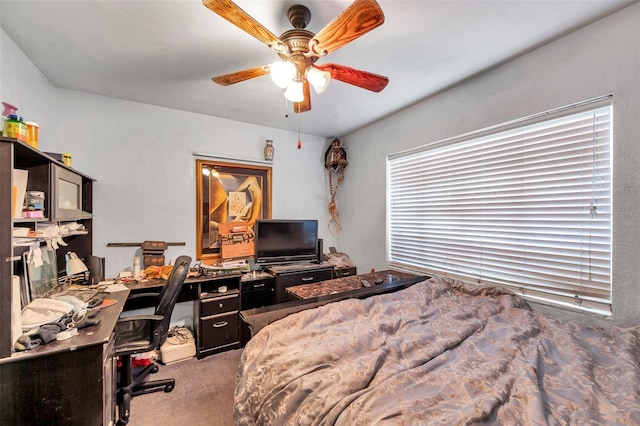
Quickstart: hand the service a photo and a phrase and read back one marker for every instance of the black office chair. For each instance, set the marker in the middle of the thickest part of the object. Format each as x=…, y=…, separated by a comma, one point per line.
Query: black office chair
x=143, y=333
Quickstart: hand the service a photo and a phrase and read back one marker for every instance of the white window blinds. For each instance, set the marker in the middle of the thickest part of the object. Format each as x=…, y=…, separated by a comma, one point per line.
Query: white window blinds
x=527, y=207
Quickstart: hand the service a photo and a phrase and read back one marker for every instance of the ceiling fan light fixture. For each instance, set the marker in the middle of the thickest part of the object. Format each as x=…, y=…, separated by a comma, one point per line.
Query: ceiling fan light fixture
x=318, y=79
x=282, y=72
x=294, y=92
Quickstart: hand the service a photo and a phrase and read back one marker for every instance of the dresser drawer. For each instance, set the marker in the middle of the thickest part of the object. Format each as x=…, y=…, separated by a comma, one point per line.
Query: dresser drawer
x=219, y=330
x=344, y=272
x=219, y=305
x=299, y=278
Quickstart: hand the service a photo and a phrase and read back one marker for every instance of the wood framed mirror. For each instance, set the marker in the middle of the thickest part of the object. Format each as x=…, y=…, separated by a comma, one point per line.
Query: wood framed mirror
x=228, y=192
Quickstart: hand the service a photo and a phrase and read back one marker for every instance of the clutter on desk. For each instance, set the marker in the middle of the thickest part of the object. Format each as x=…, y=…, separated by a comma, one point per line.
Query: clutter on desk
x=337, y=259
x=135, y=271
x=155, y=272
x=62, y=328
x=226, y=267
x=114, y=288
x=44, y=310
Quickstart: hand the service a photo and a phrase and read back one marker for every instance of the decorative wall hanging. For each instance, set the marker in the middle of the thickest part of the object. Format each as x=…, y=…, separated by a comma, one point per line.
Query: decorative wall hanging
x=268, y=150
x=228, y=192
x=335, y=162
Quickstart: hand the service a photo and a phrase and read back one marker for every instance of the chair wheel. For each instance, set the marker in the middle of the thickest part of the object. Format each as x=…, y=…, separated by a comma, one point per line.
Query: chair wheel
x=155, y=369
x=168, y=388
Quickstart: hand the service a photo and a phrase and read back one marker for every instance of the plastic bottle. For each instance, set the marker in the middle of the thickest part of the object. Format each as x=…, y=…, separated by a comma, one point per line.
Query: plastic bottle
x=32, y=133
x=11, y=127
x=22, y=130
x=136, y=268
x=8, y=110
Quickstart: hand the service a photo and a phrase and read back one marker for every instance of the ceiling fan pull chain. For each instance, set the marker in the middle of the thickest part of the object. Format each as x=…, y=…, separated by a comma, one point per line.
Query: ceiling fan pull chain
x=299, y=143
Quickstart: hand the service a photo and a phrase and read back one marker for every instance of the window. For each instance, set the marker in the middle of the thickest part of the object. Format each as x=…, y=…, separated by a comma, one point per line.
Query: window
x=525, y=205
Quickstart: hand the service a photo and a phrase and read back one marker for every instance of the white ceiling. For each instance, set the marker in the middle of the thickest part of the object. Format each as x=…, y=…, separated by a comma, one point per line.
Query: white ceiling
x=165, y=52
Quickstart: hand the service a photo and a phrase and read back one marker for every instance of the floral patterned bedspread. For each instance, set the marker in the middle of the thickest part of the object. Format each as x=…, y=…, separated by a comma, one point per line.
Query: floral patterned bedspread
x=439, y=352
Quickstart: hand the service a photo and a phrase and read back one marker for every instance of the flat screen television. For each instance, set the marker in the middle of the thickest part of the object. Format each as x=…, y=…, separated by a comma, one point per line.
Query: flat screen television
x=280, y=241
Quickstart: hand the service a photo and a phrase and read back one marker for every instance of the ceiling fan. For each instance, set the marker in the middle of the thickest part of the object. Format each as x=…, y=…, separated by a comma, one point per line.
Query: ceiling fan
x=299, y=49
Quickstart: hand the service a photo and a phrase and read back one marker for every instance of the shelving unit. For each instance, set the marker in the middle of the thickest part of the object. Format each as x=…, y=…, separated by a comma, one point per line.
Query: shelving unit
x=17, y=155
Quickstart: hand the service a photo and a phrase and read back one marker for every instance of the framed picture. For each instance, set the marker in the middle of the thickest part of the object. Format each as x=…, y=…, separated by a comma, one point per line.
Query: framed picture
x=228, y=192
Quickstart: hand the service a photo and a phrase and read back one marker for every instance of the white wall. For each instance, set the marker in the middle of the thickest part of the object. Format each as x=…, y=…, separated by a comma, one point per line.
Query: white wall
x=22, y=85
x=603, y=58
x=142, y=158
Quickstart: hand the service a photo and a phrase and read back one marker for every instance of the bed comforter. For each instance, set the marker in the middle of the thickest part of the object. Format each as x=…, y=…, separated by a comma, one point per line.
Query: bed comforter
x=439, y=352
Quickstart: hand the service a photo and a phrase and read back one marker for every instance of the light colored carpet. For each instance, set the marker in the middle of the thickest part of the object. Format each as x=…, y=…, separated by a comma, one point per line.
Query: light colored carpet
x=203, y=394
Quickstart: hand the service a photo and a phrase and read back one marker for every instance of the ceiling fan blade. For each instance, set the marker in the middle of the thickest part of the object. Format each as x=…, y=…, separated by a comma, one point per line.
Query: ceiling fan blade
x=241, y=19
x=305, y=105
x=356, y=20
x=237, y=77
x=363, y=79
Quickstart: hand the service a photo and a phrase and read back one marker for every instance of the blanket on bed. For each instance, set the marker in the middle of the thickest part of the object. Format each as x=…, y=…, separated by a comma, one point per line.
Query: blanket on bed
x=439, y=352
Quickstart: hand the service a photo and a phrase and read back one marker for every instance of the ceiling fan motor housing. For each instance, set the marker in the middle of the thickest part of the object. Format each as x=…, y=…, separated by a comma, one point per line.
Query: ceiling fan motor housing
x=298, y=42
x=299, y=16
x=298, y=39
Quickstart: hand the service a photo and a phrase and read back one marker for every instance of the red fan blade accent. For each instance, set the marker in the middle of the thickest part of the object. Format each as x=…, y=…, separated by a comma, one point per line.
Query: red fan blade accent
x=305, y=105
x=363, y=79
x=356, y=20
x=237, y=77
x=241, y=19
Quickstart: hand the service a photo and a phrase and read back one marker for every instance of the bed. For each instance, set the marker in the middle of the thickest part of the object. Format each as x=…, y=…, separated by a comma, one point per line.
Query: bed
x=438, y=352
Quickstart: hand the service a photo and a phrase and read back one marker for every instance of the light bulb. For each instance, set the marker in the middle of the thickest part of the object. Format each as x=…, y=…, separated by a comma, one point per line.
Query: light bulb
x=318, y=79
x=282, y=73
x=294, y=92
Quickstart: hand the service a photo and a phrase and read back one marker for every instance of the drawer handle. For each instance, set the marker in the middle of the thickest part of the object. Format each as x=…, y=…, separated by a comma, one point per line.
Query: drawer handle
x=307, y=278
x=221, y=305
x=220, y=324
x=259, y=285
x=344, y=274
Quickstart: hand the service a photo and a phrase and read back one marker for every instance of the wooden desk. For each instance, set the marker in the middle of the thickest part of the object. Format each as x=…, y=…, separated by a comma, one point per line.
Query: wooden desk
x=215, y=314
x=188, y=293
x=258, y=318
x=340, y=285
x=70, y=382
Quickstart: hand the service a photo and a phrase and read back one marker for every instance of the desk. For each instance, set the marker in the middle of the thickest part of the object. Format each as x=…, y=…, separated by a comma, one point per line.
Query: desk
x=70, y=382
x=340, y=285
x=258, y=318
x=189, y=292
x=215, y=313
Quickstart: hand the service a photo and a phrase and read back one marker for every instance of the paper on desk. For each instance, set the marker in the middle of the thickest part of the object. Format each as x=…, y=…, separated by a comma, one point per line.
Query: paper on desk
x=114, y=288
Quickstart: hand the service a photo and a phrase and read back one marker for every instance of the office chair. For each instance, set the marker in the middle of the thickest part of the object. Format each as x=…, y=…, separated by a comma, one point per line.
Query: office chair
x=143, y=333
